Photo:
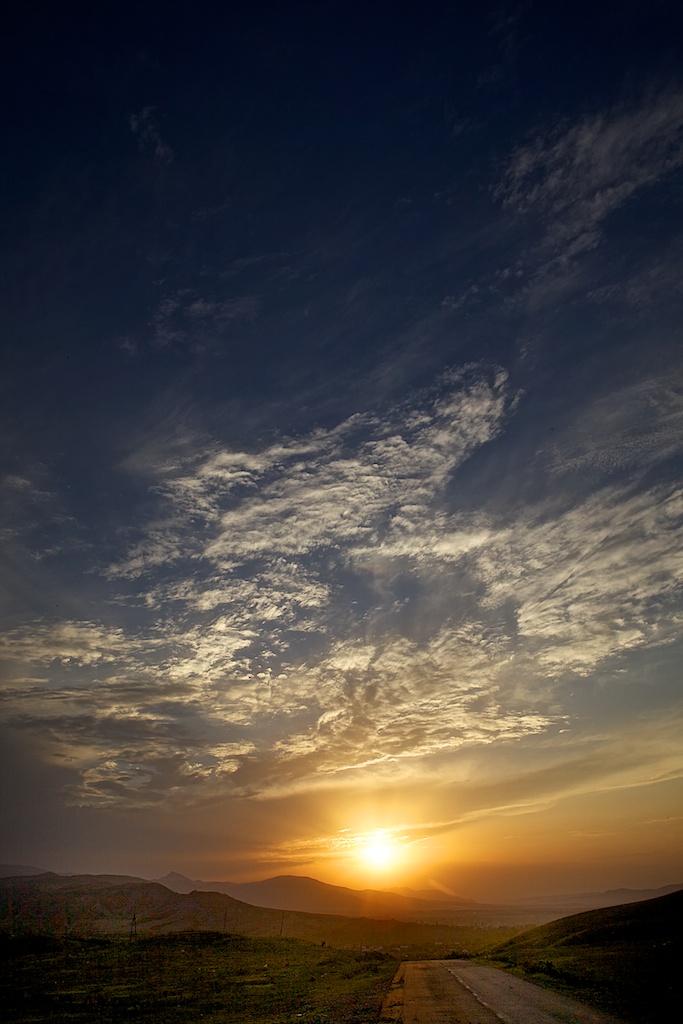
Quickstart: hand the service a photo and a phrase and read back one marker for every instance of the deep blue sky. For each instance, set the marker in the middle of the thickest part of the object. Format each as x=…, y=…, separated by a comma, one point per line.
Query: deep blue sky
x=341, y=440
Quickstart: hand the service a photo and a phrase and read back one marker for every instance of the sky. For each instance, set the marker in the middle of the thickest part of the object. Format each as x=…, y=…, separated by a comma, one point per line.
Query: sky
x=342, y=424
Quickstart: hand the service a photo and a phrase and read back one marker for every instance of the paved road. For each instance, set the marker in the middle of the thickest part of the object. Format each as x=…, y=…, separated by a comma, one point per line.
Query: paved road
x=460, y=992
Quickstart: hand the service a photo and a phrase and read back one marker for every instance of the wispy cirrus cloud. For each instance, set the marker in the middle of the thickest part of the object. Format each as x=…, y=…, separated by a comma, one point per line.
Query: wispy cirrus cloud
x=595, y=582
x=564, y=184
x=25, y=497
x=575, y=175
x=631, y=428
x=36, y=520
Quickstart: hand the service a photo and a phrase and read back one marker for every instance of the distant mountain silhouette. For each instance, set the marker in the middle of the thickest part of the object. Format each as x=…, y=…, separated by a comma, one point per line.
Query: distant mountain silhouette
x=181, y=883
x=298, y=892
x=8, y=870
x=308, y=895
x=596, y=900
x=428, y=894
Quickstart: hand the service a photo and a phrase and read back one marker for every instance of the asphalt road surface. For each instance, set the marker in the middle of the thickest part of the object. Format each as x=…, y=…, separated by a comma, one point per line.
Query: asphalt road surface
x=460, y=992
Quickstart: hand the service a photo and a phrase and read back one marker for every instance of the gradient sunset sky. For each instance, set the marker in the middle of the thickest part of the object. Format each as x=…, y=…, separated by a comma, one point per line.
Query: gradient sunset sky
x=342, y=424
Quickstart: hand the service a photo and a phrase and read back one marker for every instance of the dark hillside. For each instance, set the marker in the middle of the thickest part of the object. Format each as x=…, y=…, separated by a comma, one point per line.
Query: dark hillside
x=88, y=906
x=625, y=959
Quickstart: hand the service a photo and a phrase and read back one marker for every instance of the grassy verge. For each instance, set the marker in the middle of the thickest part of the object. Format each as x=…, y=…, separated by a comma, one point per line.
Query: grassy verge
x=193, y=977
x=624, y=960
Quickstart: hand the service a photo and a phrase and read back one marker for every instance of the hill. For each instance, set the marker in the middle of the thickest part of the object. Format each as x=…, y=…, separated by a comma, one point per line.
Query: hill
x=297, y=892
x=91, y=905
x=300, y=893
x=624, y=959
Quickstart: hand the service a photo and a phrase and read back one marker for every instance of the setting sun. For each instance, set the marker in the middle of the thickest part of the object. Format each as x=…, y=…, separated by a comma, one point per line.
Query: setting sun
x=377, y=850
x=379, y=854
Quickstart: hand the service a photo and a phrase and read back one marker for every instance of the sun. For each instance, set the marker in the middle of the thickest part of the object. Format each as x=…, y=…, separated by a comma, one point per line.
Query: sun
x=377, y=850
x=380, y=855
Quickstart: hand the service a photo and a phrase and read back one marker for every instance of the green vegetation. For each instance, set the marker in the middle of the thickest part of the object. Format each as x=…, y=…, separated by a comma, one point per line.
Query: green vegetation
x=622, y=959
x=189, y=977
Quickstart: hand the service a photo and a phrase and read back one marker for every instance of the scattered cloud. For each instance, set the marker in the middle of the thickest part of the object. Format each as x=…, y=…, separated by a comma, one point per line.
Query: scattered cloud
x=632, y=428
x=188, y=319
x=145, y=127
x=566, y=182
x=330, y=491
x=82, y=643
x=35, y=523
x=593, y=583
x=318, y=607
x=578, y=174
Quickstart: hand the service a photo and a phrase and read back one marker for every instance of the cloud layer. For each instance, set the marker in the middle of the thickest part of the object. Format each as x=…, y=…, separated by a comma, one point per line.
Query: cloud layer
x=321, y=605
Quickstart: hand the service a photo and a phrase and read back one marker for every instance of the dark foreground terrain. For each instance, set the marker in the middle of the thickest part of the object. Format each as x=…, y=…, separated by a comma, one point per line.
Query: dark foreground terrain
x=625, y=960
x=200, y=976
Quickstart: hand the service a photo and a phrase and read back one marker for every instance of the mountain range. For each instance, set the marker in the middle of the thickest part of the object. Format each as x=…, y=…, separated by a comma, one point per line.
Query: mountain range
x=59, y=906
x=296, y=893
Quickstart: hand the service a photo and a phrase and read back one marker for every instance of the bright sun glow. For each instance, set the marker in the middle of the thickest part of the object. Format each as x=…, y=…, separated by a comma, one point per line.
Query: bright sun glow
x=379, y=854
x=377, y=850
